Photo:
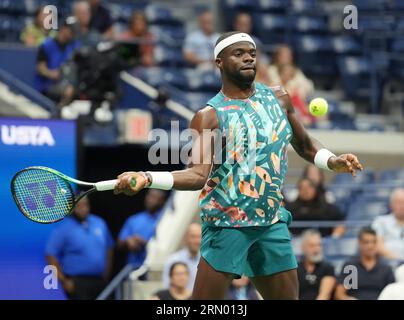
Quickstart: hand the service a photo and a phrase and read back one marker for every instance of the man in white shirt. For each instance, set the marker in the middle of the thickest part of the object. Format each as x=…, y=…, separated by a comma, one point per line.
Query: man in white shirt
x=394, y=291
x=390, y=228
x=189, y=255
x=200, y=44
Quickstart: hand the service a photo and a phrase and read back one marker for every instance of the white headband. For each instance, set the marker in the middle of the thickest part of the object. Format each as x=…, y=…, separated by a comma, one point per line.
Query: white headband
x=238, y=37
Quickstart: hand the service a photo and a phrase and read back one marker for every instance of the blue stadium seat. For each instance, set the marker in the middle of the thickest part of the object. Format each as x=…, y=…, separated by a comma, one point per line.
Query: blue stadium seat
x=333, y=107
x=376, y=23
x=313, y=43
x=398, y=44
x=168, y=56
x=197, y=100
x=392, y=176
x=10, y=28
x=400, y=26
x=152, y=75
x=310, y=24
x=342, y=121
x=207, y=81
x=121, y=12
x=246, y=5
x=340, y=247
x=161, y=15
x=165, y=76
x=397, y=5
x=376, y=191
x=169, y=35
x=370, y=5
x=367, y=209
x=362, y=178
x=355, y=73
x=304, y=5
x=346, y=45
x=31, y=6
x=315, y=54
x=271, y=5
x=344, y=196
x=271, y=29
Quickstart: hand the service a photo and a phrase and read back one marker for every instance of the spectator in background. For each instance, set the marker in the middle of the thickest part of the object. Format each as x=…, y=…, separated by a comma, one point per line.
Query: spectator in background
x=390, y=228
x=310, y=205
x=372, y=273
x=199, y=44
x=242, y=23
x=394, y=291
x=315, y=174
x=179, y=279
x=189, y=255
x=86, y=35
x=140, y=228
x=52, y=54
x=316, y=277
x=100, y=19
x=302, y=86
x=81, y=250
x=241, y=289
x=35, y=33
x=138, y=31
x=286, y=74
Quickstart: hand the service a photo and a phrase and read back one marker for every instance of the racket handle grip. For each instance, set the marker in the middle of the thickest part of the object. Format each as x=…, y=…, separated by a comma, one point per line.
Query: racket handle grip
x=106, y=185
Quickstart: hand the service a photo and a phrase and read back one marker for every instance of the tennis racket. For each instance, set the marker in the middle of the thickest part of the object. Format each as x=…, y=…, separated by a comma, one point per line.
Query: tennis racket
x=46, y=195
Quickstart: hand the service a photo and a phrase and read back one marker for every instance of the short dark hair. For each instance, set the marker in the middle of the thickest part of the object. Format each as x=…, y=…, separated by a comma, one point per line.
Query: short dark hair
x=176, y=264
x=366, y=230
x=226, y=35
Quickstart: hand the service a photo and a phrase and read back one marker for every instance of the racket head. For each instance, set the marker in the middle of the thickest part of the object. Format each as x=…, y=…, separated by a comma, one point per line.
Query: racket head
x=42, y=194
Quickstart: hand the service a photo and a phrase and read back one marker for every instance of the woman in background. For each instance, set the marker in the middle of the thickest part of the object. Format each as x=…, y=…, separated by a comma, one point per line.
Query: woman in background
x=138, y=31
x=311, y=205
x=35, y=33
x=179, y=276
x=298, y=82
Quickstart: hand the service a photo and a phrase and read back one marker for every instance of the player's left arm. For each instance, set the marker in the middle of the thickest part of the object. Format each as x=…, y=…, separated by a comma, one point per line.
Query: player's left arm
x=306, y=146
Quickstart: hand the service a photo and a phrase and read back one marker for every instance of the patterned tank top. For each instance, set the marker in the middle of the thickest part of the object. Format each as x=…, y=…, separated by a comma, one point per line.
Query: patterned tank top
x=244, y=188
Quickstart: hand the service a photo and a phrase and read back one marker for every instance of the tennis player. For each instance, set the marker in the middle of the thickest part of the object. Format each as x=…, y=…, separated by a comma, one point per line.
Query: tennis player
x=244, y=223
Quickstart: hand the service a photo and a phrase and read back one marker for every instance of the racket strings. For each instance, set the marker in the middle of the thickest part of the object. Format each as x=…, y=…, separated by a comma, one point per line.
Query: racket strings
x=43, y=196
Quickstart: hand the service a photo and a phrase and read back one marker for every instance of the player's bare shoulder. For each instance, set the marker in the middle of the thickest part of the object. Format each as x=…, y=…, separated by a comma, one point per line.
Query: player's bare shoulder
x=284, y=99
x=205, y=118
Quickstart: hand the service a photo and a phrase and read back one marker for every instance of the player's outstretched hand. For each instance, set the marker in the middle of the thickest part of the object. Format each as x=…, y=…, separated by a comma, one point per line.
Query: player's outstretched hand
x=126, y=183
x=346, y=162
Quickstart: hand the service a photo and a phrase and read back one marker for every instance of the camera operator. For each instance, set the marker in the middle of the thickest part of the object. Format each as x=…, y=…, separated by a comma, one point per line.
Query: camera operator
x=52, y=54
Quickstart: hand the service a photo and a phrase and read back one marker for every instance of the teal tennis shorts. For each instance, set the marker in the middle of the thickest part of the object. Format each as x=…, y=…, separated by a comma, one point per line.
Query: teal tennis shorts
x=252, y=251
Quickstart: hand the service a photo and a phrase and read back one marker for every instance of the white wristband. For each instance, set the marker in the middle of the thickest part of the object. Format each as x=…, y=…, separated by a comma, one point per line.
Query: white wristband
x=163, y=180
x=321, y=158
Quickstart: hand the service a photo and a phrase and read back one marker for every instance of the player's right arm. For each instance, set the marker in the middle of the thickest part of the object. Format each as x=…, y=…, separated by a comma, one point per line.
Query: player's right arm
x=201, y=155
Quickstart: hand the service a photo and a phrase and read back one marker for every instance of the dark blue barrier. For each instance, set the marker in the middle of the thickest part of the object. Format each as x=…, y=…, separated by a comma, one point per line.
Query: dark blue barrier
x=18, y=60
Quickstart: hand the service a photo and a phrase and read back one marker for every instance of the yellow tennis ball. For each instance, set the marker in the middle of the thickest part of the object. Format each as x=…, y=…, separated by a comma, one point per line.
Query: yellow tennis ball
x=318, y=107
